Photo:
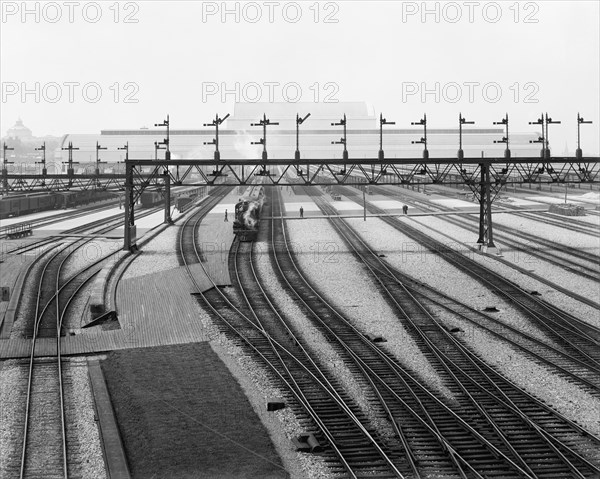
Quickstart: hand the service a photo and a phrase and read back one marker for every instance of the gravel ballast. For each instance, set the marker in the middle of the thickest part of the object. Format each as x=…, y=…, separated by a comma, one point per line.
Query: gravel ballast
x=13, y=388
x=159, y=254
x=557, y=275
x=85, y=450
x=324, y=258
x=576, y=404
x=314, y=340
x=282, y=425
x=83, y=437
x=403, y=254
x=559, y=235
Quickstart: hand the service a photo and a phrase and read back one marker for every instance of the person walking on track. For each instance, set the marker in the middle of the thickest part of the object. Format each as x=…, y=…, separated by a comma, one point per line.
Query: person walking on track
x=301, y=212
x=225, y=216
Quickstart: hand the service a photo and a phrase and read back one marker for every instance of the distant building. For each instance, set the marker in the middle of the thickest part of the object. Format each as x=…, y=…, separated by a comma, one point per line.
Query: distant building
x=316, y=137
x=19, y=131
x=25, y=154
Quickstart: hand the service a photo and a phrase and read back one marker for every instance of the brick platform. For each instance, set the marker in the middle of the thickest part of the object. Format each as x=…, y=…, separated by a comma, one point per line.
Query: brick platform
x=12, y=274
x=147, y=315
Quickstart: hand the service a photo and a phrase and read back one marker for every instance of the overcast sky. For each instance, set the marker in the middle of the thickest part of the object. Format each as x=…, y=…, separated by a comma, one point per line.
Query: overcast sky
x=79, y=67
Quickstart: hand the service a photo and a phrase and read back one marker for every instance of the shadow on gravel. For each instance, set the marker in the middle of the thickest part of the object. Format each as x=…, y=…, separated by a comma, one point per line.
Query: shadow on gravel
x=182, y=414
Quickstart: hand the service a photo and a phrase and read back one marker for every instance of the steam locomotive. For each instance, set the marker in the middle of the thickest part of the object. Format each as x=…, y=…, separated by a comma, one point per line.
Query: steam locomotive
x=247, y=215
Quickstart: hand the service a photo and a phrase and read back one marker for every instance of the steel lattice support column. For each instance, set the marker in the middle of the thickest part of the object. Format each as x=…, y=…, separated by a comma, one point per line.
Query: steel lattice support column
x=488, y=205
x=481, y=239
x=486, y=235
x=167, y=197
x=5, y=188
x=129, y=223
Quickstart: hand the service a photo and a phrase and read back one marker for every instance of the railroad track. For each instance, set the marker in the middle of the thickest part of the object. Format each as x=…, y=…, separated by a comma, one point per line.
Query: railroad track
x=44, y=419
x=561, y=362
x=436, y=441
x=571, y=367
x=426, y=432
x=323, y=411
x=566, y=222
x=47, y=446
x=55, y=287
x=566, y=290
x=562, y=222
x=528, y=431
x=36, y=245
x=54, y=257
x=581, y=263
x=44, y=445
x=57, y=218
x=578, y=338
x=342, y=424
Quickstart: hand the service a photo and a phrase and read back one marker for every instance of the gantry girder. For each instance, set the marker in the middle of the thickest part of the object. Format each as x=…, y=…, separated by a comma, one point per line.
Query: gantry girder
x=387, y=171
x=337, y=172
x=19, y=184
x=484, y=176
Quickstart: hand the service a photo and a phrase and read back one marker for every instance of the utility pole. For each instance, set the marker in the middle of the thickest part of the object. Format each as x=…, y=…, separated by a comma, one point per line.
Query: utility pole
x=299, y=121
x=423, y=140
x=263, y=141
x=580, y=121
x=98, y=148
x=462, y=121
x=342, y=141
x=549, y=121
x=382, y=121
x=216, y=122
x=5, y=164
x=504, y=139
x=43, y=162
x=70, y=163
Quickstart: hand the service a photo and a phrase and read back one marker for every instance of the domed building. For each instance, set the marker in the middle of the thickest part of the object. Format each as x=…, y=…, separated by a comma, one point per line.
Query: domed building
x=25, y=148
x=19, y=131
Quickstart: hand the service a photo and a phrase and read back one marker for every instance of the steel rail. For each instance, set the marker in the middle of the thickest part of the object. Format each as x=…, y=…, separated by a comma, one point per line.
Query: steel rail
x=526, y=338
x=561, y=320
x=391, y=273
x=30, y=378
x=409, y=454
x=548, y=219
x=427, y=295
x=57, y=218
x=502, y=232
x=76, y=230
x=430, y=424
x=299, y=342
x=258, y=352
x=435, y=349
x=332, y=391
x=37, y=322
